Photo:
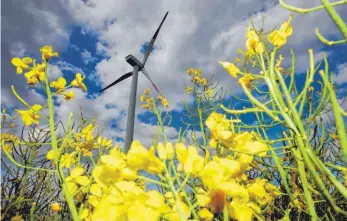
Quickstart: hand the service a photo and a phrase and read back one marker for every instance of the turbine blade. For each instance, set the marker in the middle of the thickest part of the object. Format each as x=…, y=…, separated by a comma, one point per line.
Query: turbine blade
x=125, y=76
x=151, y=43
x=149, y=78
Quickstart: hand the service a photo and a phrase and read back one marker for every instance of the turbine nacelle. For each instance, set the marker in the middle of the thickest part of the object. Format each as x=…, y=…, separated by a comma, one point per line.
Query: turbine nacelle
x=133, y=61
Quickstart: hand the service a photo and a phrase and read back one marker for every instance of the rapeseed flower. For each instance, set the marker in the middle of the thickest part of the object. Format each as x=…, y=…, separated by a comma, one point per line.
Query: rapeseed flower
x=139, y=158
x=68, y=159
x=69, y=95
x=30, y=116
x=77, y=82
x=76, y=180
x=20, y=64
x=279, y=37
x=59, y=84
x=55, y=207
x=189, y=157
x=232, y=69
x=47, y=52
x=253, y=43
x=246, y=80
x=188, y=89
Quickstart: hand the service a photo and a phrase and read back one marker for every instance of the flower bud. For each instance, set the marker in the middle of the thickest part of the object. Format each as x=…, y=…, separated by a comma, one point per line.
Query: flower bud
x=161, y=151
x=169, y=151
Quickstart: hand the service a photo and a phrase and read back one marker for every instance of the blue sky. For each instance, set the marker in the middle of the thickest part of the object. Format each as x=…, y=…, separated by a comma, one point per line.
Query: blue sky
x=94, y=39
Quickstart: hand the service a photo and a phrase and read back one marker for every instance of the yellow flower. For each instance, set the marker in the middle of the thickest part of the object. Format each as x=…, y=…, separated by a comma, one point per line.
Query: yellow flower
x=169, y=150
x=254, y=46
x=7, y=148
x=139, y=158
x=59, y=85
x=195, y=79
x=77, y=82
x=174, y=215
x=246, y=80
x=52, y=154
x=251, y=33
x=209, y=92
x=17, y=218
x=203, y=81
x=216, y=173
x=164, y=102
x=240, y=211
x=9, y=137
x=146, y=106
x=32, y=81
x=55, y=207
x=188, y=90
x=68, y=159
x=127, y=201
x=47, y=52
x=146, y=91
x=84, y=215
x=220, y=128
x=19, y=64
x=69, y=95
x=190, y=71
x=162, y=154
x=143, y=98
x=286, y=29
x=192, y=162
x=30, y=116
x=35, y=74
x=12, y=125
x=205, y=214
x=237, y=60
x=111, y=169
x=279, y=61
x=76, y=179
x=253, y=43
x=256, y=147
x=104, y=142
x=27, y=60
x=231, y=68
x=277, y=38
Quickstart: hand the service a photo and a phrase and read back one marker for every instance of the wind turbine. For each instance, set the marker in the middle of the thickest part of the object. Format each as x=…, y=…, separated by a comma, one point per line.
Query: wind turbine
x=137, y=66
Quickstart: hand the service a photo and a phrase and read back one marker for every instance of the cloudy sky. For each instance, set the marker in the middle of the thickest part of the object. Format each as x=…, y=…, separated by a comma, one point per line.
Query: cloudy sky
x=94, y=37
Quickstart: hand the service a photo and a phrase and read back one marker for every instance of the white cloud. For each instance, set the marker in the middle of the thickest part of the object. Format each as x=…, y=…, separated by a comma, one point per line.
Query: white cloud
x=341, y=77
x=87, y=57
x=65, y=66
x=54, y=72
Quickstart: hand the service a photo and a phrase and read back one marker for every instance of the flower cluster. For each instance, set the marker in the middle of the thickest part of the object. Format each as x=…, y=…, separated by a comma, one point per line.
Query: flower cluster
x=82, y=142
x=199, y=82
x=253, y=43
x=149, y=103
x=196, y=77
x=279, y=37
x=222, y=133
x=116, y=191
x=254, y=46
x=36, y=72
x=9, y=137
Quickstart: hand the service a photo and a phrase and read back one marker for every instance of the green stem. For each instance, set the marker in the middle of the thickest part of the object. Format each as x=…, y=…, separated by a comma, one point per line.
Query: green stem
x=67, y=194
x=336, y=17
